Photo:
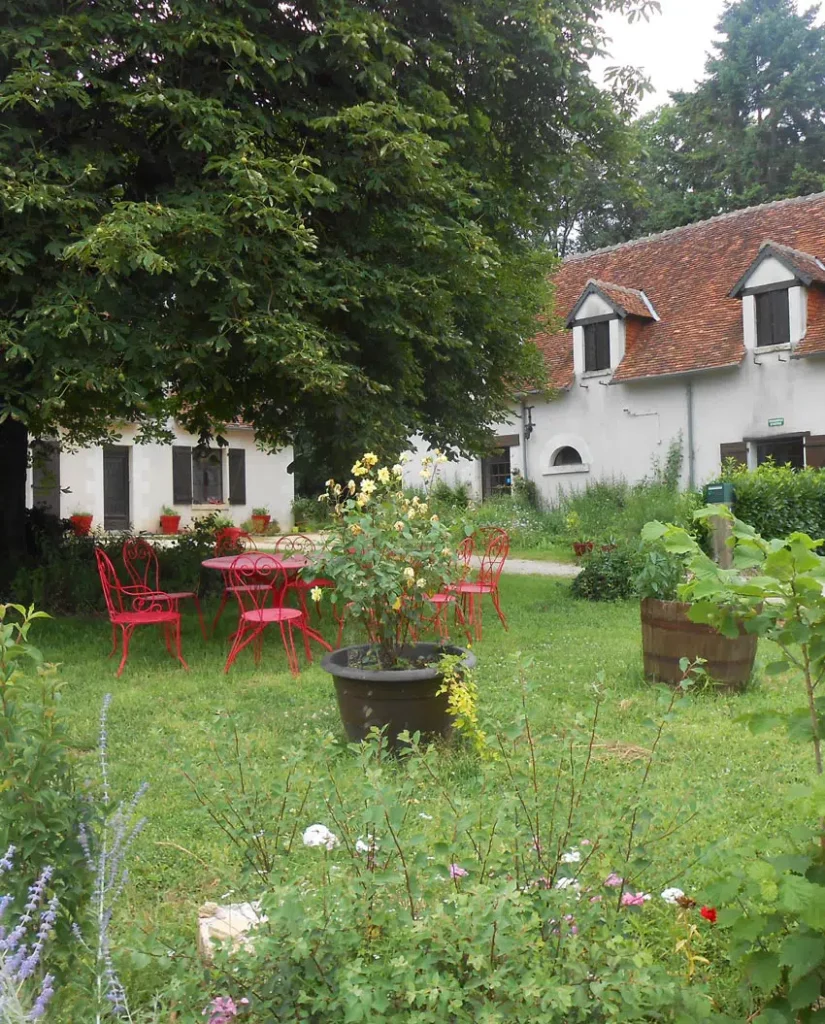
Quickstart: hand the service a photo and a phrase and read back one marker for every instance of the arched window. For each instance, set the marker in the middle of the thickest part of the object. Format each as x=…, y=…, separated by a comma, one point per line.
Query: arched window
x=567, y=456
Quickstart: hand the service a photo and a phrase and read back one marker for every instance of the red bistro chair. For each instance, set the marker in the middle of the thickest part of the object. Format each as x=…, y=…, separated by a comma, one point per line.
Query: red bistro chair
x=299, y=543
x=231, y=541
x=492, y=562
x=448, y=598
x=260, y=585
x=141, y=561
x=134, y=606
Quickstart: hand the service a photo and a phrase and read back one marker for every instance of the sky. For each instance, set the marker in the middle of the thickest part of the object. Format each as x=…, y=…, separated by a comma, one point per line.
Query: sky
x=670, y=48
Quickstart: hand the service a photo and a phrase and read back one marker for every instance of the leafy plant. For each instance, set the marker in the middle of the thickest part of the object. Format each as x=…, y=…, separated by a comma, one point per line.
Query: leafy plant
x=776, y=912
x=607, y=576
x=310, y=513
x=41, y=808
x=779, y=500
x=167, y=510
x=660, y=574
x=386, y=553
x=260, y=510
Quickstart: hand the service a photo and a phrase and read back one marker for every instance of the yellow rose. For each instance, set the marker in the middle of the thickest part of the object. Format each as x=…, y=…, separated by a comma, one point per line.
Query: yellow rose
x=359, y=469
x=442, y=458
x=383, y=475
x=355, y=529
x=396, y=605
x=352, y=486
x=316, y=594
x=433, y=519
x=370, y=459
x=399, y=526
x=424, y=473
x=409, y=572
x=421, y=583
x=329, y=483
x=411, y=513
x=362, y=500
x=368, y=487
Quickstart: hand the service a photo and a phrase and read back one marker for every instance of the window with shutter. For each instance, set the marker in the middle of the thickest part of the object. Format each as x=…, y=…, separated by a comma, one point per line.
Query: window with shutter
x=783, y=451
x=181, y=474
x=237, y=476
x=773, y=318
x=597, y=346
x=207, y=476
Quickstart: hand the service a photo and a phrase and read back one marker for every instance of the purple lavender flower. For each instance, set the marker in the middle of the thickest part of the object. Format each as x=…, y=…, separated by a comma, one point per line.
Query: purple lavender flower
x=42, y=1001
x=7, y=861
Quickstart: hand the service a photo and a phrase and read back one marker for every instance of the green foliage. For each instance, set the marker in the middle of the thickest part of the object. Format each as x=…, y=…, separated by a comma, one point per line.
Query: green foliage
x=778, y=500
x=660, y=574
x=426, y=902
x=777, y=902
x=608, y=575
x=750, y=132
x=455, y=498
x=526, y=492
x=309, y=513
x=41, y=809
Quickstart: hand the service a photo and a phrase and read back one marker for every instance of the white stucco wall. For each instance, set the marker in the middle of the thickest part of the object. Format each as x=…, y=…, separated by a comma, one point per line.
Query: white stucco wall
x=150, y=480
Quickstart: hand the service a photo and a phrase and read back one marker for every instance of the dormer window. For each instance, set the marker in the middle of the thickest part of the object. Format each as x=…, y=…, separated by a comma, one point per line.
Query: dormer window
x=773, y=318
x=597, y=346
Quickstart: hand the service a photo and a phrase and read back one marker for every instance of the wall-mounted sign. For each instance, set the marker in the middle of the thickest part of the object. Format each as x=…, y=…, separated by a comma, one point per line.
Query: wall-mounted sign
x=778, y=422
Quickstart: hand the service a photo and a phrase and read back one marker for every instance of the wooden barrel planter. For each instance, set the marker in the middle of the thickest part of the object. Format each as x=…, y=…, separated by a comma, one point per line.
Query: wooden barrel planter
x=668, y=635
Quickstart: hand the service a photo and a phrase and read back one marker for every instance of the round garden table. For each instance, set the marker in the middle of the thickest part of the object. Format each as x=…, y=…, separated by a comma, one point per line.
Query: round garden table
x=291, y=562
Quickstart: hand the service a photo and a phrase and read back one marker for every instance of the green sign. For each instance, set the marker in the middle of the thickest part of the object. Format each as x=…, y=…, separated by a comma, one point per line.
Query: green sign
x=778, y=422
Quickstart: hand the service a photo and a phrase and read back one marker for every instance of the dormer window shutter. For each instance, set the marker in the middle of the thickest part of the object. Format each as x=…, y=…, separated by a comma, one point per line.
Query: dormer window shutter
x=815, y=451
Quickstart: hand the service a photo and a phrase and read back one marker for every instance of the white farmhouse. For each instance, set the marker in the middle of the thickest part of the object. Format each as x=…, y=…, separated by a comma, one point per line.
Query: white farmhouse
x=125, y=485
x=713, y=333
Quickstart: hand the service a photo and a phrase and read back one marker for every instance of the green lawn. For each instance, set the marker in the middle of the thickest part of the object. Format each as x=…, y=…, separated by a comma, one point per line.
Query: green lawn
x=162, y=716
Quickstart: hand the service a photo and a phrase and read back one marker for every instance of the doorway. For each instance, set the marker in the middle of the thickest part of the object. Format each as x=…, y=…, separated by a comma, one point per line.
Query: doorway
x=496, y=474
x=116, y=487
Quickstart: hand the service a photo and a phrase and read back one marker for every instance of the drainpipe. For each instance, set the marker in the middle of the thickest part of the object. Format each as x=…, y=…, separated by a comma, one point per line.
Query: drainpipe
x=690, y=446
x=525, y=437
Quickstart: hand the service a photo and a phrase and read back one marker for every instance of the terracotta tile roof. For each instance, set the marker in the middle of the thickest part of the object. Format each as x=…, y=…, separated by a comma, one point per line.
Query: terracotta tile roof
x=687, y=274
x=630, y=300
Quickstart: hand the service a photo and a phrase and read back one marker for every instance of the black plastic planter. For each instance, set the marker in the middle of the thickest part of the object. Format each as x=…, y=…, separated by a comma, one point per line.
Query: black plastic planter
x=398, y=698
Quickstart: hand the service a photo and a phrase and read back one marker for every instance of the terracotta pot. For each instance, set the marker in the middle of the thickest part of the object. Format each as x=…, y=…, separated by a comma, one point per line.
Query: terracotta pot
x=606, y=548
x=169, y=524
x=581, y=548
x=668, y=635
x=81, y=525
x=260, y=523
x=230, y=535
x=398, y=699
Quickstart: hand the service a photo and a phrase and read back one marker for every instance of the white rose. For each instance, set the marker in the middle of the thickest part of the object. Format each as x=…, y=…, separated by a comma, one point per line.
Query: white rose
x=320, y=835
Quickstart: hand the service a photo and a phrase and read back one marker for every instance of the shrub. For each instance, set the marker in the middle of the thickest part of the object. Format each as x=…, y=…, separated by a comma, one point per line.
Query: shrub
x=454, y=498
x=660, y=574
x=777, y=500
x=608, y=576
x=309, y=513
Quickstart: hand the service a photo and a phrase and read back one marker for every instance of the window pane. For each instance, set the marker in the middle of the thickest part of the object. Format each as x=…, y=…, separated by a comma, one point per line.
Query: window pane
x=597, y=346
x=207, y=477
x=773, y=326
x=567, y=457
x=783, y=451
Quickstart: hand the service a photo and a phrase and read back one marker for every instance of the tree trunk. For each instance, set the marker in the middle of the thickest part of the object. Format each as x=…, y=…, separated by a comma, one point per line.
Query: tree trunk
x=13, y=467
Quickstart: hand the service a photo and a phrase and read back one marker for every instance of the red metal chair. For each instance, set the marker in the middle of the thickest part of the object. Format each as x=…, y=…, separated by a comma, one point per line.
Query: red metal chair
x=141, y=561
x=448, y=598
x=231, y=541
x=300, y=544
x=262, y=606
x=492, y=562
x=134, y=606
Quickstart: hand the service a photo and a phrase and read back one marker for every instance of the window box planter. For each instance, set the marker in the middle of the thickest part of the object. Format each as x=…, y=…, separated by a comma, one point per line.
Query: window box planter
x=396, y=698
x=169, y=524
x=668, y=635
x=261, y=522
x=81, y=524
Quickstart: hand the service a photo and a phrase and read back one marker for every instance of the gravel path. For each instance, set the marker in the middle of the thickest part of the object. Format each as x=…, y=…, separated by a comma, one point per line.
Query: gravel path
x=536, y=567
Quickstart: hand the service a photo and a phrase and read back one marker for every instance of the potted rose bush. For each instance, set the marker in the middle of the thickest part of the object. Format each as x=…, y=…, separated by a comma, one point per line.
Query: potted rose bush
x=386, y=554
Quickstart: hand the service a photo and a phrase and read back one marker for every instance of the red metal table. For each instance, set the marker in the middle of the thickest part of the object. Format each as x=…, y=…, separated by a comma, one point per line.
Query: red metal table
x=291, y=563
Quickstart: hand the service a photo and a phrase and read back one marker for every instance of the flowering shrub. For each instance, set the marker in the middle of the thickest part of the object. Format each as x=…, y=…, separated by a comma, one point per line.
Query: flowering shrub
x=386, y=553
x=397, y=898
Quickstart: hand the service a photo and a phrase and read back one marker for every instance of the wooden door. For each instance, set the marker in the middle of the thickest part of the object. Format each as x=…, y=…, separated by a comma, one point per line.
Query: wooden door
x=116, y=487
x=496, y=474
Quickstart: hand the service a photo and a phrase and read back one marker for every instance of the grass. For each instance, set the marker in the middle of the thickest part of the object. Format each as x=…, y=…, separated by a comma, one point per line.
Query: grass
x=162, y=718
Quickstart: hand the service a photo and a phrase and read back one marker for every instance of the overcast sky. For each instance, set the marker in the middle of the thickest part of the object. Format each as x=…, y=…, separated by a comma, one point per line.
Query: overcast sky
x=671, y=47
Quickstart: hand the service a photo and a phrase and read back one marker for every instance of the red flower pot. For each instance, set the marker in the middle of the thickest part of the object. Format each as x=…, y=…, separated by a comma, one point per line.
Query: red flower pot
x=581, y=548
x=81, y=525
x=260, y=523
x=169, y=524
x=229, y=535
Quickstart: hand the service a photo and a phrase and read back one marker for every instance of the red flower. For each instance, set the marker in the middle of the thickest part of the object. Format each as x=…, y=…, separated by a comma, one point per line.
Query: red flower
x=709, y=914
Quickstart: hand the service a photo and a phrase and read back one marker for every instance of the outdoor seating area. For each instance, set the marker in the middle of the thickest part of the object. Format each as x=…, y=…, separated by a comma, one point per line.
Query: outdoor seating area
x=274, y=588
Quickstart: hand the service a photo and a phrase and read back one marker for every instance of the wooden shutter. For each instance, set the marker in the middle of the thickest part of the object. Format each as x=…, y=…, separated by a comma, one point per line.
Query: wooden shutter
x=181, y=475
x=737, y=450
x=773, y=318
x=237, y=476
x=815, y=451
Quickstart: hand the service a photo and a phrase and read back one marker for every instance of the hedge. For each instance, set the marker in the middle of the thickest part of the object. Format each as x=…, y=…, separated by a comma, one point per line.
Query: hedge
x=778, y=500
